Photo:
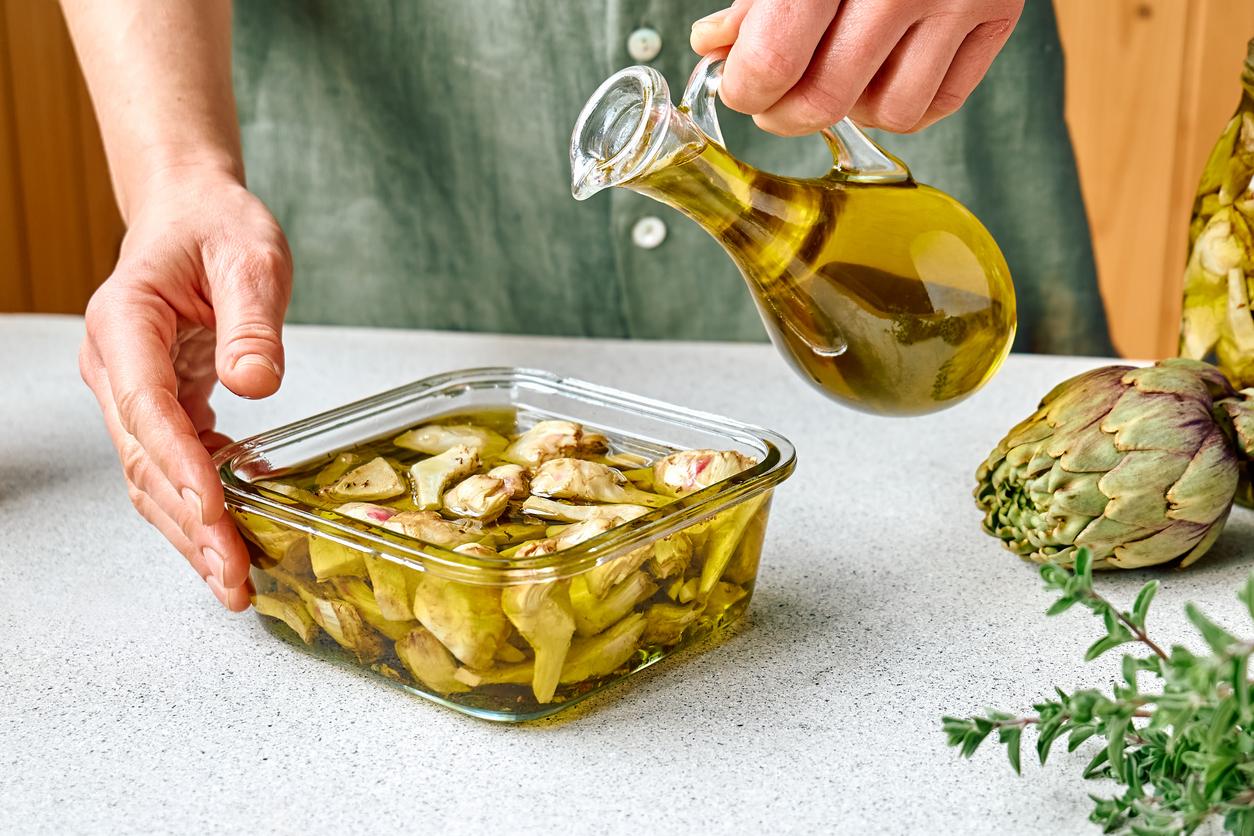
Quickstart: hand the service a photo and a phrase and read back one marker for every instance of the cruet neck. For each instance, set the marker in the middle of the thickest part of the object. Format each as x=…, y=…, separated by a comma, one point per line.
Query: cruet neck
x=628, y=129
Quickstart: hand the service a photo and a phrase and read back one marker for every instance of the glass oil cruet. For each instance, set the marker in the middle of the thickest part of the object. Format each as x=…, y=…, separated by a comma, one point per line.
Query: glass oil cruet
x=885, y=294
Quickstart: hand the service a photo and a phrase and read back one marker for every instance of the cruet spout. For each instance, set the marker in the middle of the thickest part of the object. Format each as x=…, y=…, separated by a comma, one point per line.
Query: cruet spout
x=628, y=129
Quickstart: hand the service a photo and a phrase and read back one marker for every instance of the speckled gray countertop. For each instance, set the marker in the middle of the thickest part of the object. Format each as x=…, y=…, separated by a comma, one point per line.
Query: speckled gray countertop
x=130, y=701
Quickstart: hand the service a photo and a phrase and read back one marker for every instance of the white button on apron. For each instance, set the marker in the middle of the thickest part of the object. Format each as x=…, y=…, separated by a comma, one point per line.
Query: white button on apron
x=644, y=44
x=648, y=232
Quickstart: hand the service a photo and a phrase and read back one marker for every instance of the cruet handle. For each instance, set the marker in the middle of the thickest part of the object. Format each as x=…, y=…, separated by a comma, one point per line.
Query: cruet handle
x=857, y=158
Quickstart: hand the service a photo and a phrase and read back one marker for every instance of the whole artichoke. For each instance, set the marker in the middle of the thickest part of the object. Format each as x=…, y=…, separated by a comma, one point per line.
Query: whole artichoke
x=1218, y=317
x=1141, y=465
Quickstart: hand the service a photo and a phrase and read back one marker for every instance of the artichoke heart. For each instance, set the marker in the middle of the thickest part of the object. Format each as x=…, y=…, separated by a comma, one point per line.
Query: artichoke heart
x=431, y=476
x=435, y=439
x=373, y=480
x=591, y=482
x=553, y=439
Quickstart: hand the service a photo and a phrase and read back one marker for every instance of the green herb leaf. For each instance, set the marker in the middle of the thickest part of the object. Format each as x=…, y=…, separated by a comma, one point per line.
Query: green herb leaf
x=1140, y=607
x=1183, y=753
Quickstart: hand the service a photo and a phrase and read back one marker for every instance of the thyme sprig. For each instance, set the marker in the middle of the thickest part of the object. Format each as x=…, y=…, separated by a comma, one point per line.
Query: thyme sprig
x=1181, y=752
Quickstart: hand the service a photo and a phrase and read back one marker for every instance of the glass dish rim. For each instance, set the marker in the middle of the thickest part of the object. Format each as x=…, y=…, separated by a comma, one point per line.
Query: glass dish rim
x=774, y=468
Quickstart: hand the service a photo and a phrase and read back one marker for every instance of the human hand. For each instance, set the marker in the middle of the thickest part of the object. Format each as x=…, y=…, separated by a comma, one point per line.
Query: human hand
x=198, y=295
x=798, y=66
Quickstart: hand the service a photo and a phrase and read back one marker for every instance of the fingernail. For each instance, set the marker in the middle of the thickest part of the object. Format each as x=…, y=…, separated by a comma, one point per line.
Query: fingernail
x=193, y=499
x=217, y=566
x=258, y=360
x=712, y=19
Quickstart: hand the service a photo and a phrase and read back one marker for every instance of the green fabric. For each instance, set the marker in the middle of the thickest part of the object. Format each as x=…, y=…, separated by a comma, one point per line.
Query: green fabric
x=416, y=154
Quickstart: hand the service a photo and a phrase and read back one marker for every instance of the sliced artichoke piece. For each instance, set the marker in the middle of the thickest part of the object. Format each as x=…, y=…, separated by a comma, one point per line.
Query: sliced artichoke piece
x=365, y=483
x=542, y=614
x=330, y=559
x=517, y=479
x=476, y=550
x=588, y=658
x=467, y=619
x=683, y=591
x=429, y=661
x=551, y=440
x=685, y=472
x=292, y=492
x=479, y=497
x=393, y=586
x=434, y=439
x=355, y=591
x=665, y=623
x=508, y=534
x=278, y=542
x=509, y=654
x=344, y=623
x=726, y=532
x=568, y=478
x=722, y=597
x=539, y=506
x=291, y=610
x=430, y=527
x=593, y=614
x=641, y=477
x=365, y=512
x=338, y=466
x=671, y=556
x=621, y=459
x=602, y=654
x=431, y=476
x=564, y=538
x=600, y=579
x=513, y=673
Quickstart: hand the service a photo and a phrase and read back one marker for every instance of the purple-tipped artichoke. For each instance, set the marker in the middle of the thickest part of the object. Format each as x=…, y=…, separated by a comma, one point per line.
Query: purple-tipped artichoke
x=1141, y=465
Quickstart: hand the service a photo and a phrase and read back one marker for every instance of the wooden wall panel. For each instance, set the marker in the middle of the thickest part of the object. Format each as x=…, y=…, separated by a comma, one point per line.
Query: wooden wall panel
x=68, y=228
x=104, y=224
x=1150, y=84
x=14, y=290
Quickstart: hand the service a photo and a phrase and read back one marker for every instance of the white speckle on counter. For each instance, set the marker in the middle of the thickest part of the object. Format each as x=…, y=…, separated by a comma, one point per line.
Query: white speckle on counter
x=130, y=700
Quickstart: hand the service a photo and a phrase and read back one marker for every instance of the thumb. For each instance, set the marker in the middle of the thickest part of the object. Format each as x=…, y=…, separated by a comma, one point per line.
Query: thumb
x=718, y=29
x=249, y=294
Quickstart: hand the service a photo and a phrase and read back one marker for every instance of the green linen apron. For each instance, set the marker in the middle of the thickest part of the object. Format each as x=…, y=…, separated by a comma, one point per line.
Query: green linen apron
x=415, y=151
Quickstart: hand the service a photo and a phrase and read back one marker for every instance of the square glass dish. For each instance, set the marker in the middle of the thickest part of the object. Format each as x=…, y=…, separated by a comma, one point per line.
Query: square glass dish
x=510, y=618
